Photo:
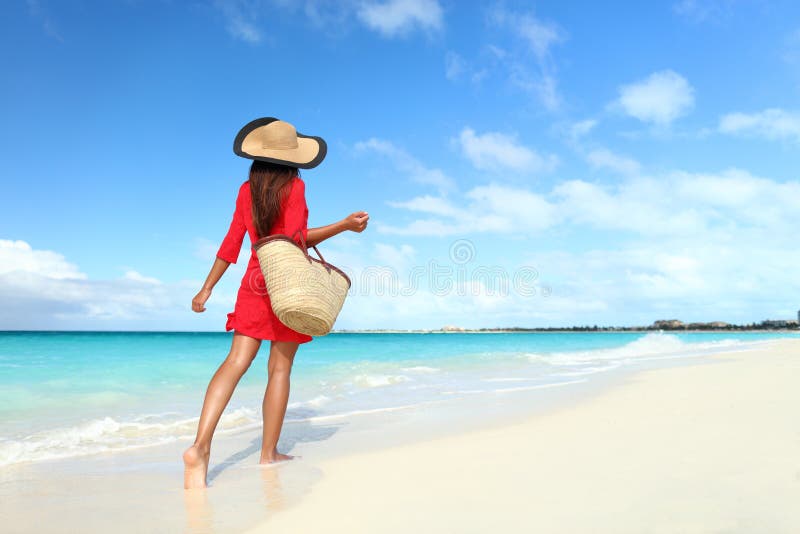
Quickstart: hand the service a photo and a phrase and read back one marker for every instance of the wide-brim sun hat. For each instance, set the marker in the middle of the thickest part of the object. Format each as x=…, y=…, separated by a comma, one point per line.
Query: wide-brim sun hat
x=276, y=141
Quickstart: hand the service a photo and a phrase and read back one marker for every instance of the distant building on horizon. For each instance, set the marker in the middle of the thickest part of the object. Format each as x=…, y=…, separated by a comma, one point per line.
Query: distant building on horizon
x=780, y=323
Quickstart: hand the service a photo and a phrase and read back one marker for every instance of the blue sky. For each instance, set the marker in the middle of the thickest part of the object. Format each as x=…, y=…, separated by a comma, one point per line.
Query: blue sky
x=561, y=163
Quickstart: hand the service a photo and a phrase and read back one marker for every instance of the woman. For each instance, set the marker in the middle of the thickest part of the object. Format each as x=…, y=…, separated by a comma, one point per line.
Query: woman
x=271, y=201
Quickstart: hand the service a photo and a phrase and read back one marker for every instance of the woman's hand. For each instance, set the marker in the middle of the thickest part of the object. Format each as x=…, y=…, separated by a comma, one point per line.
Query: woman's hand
x=357, y=221
x=199, y=301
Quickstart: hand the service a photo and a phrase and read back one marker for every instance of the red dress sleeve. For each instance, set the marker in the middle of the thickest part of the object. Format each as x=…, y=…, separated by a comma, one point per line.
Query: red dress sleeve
x=295, y=215
x=232, y=243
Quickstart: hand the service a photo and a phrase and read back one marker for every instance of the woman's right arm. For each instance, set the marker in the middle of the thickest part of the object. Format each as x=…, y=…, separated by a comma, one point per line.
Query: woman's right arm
x=217, y=270
x=228, y=253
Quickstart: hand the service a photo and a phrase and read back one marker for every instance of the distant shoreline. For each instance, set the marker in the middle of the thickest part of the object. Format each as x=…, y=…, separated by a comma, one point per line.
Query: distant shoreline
x=566, y=330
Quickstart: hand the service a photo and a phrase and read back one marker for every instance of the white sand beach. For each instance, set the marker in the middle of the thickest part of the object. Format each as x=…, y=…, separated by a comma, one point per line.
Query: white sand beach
x=698, y=445
x=713, y=447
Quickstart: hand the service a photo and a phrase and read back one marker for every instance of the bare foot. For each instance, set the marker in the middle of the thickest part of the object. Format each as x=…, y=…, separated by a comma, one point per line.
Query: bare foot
x=195, y=463
x=275, y=457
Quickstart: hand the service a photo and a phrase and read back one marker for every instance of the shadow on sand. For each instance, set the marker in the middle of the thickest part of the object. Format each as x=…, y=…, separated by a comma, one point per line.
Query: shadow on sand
x=296, y=429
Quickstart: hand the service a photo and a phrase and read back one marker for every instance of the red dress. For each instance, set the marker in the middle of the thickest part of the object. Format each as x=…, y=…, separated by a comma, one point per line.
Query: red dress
x=252, y=315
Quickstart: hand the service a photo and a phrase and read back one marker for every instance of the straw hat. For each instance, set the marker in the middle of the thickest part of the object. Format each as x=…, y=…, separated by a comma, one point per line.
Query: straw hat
x=275, y=141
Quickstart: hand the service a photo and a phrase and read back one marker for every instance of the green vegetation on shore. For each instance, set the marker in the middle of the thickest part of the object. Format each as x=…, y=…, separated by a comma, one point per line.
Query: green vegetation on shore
x=663, y=324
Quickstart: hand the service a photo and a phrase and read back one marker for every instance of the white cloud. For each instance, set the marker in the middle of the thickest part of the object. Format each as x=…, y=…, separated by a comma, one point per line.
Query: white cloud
x=323, y=14
x=429, y=204
x=244, y=30
x=407, y=163
x=573, y=133
x=398, y=257
x=660, y=98
x=489, y=208
x=49, y=26
x=692, y=8
x=244, y=19
x=544, y=85
x=18, y=256
x=639, y=206
x=394, y=288
x=455, y=66
x=396, y=17
x=681, y=204
x=698, y=246
x=240, y=16
x=674, y=204
x=41, y=289
x=703, y=10
x=493, y=150
x=424, y=227
x=205, y=249
x=591, y=204
x=467, y=304
x=651, y=272
x=772, y=123
x=736, y=198
x=538, y=34
x=604, y=158
x=505, y=209
x=791, y=48
x=580, y=129
x=697, y=279
x=138, y=277
x=539, y=37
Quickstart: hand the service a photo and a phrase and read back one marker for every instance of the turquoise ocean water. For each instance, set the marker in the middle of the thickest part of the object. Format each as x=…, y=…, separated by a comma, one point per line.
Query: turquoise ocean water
x=65, y=394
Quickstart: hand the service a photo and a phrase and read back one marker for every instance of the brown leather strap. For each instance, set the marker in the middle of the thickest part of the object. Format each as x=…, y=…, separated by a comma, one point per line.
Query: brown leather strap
x=320, y=255
x=305, y=247
x=302, y=240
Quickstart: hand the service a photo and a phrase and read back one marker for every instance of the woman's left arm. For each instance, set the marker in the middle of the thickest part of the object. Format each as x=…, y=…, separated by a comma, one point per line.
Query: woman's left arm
x=355, y=222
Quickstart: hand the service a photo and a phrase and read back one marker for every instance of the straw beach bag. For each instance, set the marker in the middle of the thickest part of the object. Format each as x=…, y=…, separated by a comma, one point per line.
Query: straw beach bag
x=306, y=293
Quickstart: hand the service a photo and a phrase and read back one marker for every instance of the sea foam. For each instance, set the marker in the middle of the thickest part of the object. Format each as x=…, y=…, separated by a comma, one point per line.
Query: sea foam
x=108, y=435
x=373, y=381
x=654, y=344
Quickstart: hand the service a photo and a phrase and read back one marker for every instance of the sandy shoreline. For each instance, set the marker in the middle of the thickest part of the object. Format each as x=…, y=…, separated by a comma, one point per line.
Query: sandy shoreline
x=698, y=444
x=712, y=447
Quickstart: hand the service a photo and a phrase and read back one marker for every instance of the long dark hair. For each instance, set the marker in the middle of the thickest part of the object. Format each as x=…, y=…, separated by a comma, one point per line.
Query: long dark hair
x=267, y=190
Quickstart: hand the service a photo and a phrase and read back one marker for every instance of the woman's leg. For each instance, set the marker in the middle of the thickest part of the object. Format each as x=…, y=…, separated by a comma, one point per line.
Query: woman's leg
x=243, y=351
x=281, y=357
